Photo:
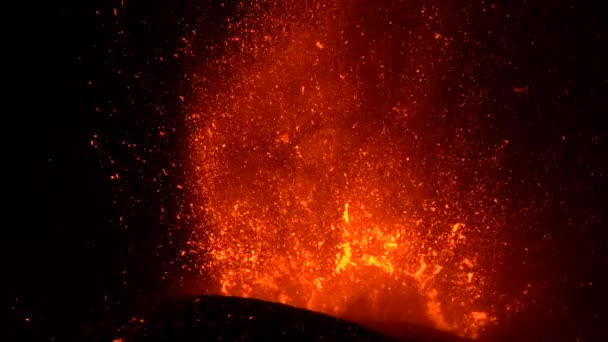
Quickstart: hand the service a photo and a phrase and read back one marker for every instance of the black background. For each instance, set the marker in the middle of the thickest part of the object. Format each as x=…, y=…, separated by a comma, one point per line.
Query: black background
x=69, y=258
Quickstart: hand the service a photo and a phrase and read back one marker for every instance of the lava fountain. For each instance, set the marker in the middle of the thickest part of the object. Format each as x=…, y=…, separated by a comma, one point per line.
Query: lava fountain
x=331, y=173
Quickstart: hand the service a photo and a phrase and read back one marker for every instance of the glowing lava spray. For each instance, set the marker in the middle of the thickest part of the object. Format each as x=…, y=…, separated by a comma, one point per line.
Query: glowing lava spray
x=332, y=175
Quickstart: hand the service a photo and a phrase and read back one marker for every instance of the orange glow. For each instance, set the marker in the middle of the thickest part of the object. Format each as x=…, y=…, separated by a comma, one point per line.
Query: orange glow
x=314, y=193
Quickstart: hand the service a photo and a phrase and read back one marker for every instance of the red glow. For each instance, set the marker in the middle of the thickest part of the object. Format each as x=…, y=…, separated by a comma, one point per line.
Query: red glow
x=317, y=192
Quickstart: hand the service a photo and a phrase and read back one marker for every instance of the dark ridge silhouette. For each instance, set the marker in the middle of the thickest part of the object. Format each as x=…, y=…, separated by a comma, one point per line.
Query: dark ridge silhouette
x=218, y=318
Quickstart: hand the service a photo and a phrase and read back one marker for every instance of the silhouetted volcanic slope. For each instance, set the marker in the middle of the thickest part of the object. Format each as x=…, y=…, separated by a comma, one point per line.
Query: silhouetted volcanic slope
x=215, y=318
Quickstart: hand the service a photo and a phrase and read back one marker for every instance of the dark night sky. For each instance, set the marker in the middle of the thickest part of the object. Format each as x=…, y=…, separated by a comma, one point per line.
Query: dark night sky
x=65, y=248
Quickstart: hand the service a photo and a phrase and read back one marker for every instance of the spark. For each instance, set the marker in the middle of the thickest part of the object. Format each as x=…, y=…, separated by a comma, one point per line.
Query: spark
x=345, y=214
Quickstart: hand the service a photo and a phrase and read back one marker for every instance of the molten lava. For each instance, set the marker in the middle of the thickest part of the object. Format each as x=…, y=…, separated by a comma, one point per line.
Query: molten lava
x=330, y=175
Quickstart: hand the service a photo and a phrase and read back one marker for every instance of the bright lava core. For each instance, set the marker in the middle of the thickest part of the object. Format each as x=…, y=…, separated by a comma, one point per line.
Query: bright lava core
x=331, y=176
